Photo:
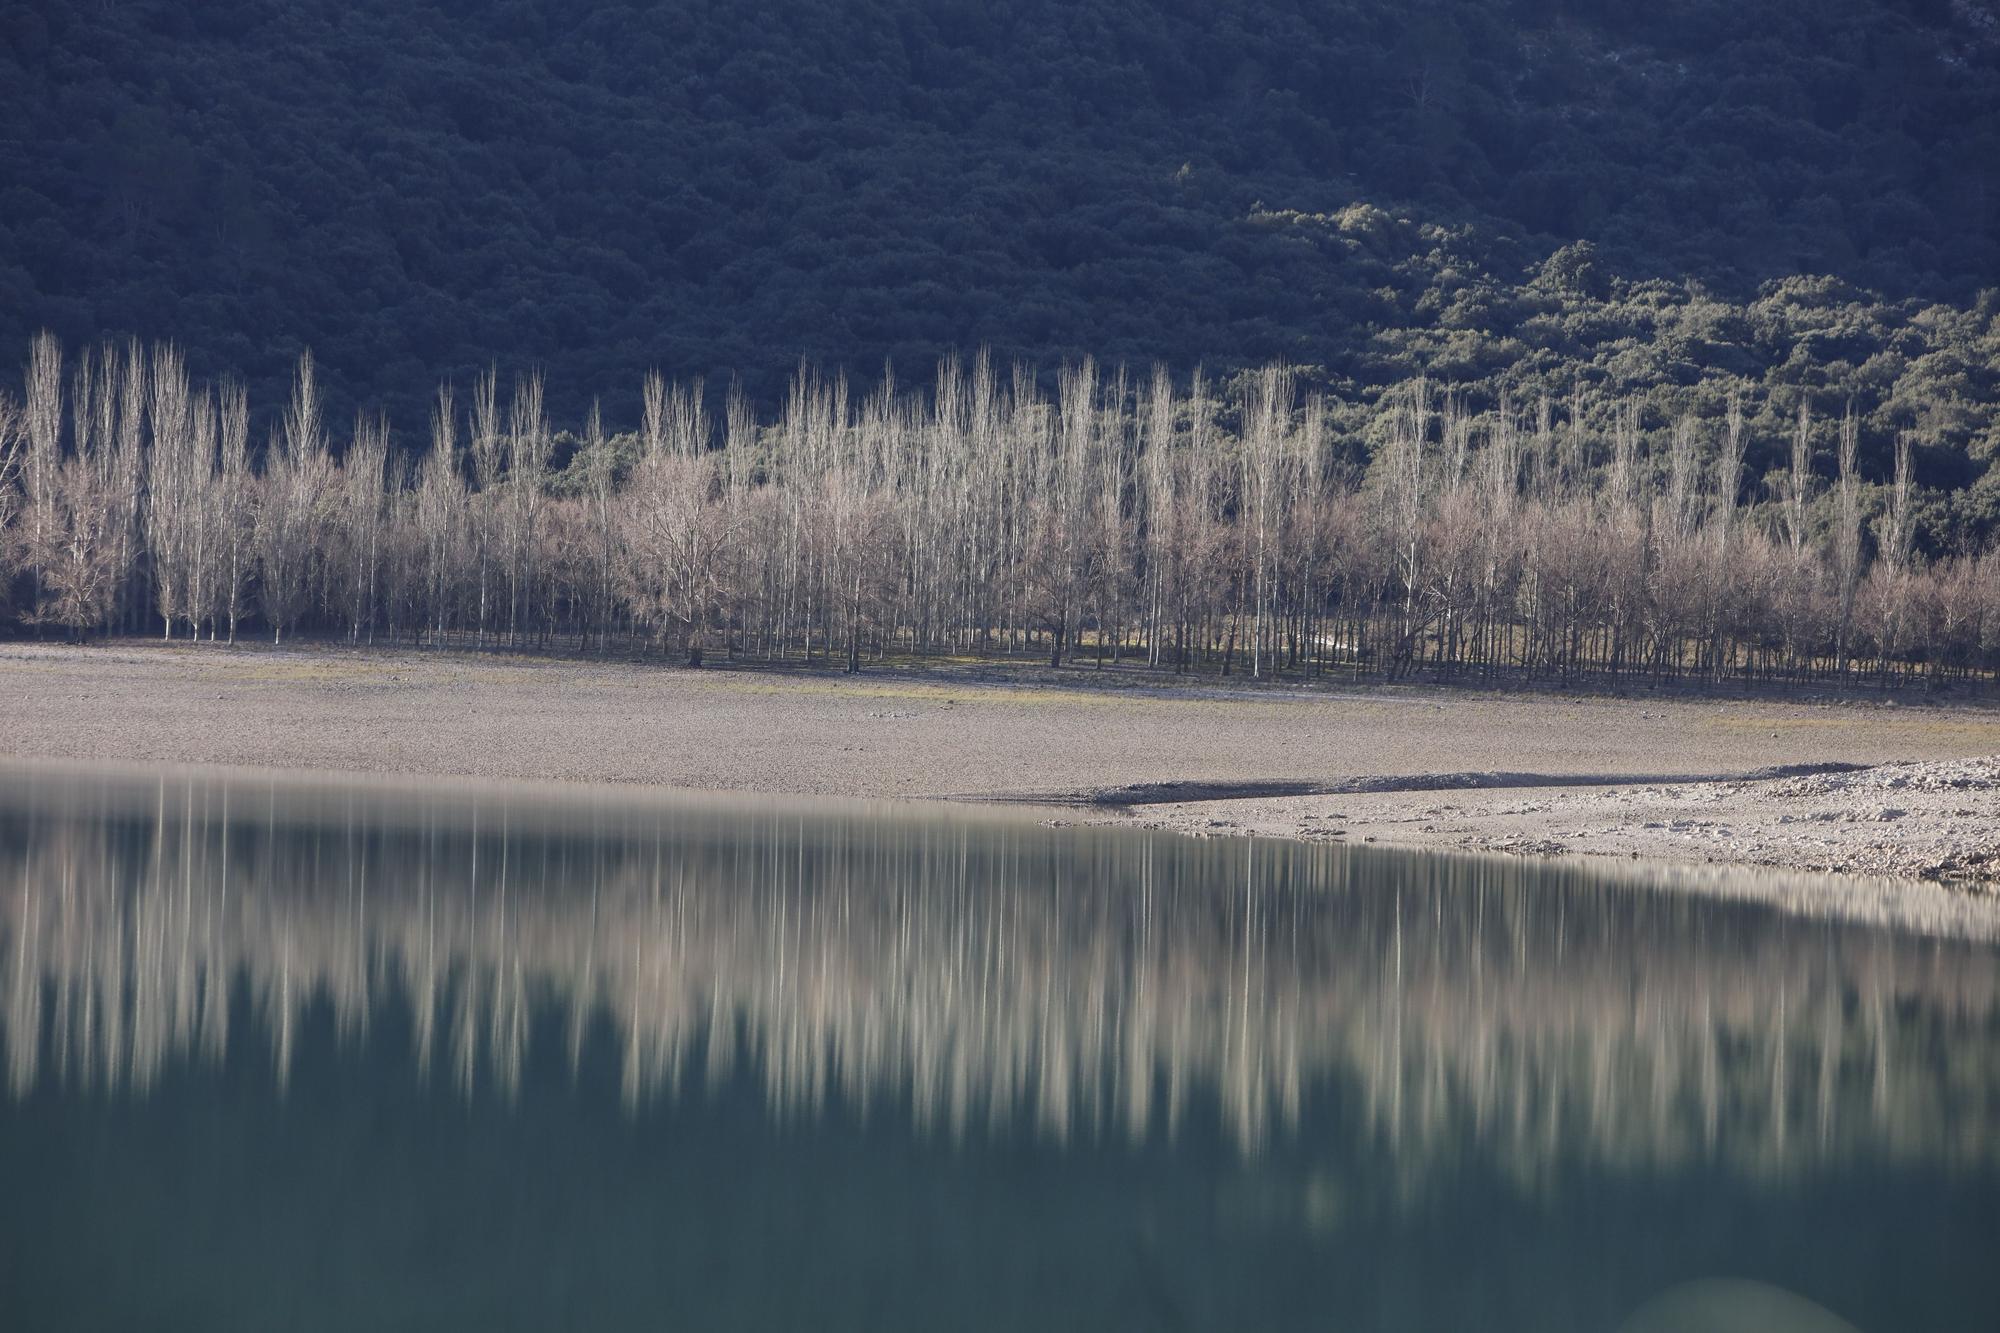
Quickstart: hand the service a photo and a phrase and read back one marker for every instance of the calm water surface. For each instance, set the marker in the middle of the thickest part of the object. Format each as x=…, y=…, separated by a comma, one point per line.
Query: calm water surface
x=292, y=1057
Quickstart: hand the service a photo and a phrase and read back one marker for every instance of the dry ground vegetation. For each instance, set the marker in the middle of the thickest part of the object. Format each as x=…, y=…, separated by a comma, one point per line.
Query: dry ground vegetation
x=1253, y=528
x=1664, y=778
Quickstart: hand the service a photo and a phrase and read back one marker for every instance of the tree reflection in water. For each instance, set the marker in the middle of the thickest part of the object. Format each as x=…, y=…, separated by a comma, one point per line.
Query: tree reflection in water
x=985, y=974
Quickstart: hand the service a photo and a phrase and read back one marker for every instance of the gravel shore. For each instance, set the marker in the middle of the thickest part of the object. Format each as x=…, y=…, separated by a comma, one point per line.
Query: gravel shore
x=1867, y=788
x=1932, y=820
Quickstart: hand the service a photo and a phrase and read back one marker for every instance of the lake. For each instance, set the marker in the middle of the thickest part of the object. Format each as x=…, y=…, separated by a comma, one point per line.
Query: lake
x=287, y=1055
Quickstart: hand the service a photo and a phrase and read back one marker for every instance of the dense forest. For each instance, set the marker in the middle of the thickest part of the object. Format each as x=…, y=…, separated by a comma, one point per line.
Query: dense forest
x=1502, y=195
x=1200, y=528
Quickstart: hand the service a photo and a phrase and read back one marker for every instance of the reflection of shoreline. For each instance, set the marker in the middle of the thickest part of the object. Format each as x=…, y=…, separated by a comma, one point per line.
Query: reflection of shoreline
x=339, y=799
x=1097, y=984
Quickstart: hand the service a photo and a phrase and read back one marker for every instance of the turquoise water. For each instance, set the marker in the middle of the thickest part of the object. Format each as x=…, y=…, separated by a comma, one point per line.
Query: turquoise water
x=284, y=1056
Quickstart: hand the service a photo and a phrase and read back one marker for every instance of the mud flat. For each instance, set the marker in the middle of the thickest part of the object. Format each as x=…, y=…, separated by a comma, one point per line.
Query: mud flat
x=1866, y=788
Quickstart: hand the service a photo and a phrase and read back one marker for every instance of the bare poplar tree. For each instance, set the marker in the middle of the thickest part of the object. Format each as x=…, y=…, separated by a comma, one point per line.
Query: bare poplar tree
x=1113, y=543
x=13, y=442
x=73, y=506
x=77, y=551
x=1267, y=421
x=1729, y=464
x=1728, y=485
x=204, y=537
x=362, y=504
x=1405, y=481
x=1057, y=448
x=488, y=447
x=1893, y=546
x=852, y=519
x=1798, y=483
x=599, y=485
x=1847, y=535
x=235, y=505
x=528, y=444
x=175, y=491
x=289, y=520
x=42, y=418
x=125, y=472
x=1891, y=577
x=1156, y=469
x=1681, y=508
x=441, y=511
x=674, y=523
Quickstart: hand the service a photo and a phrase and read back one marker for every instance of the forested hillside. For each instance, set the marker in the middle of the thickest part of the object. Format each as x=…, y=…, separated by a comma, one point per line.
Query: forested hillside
x=1498, y=193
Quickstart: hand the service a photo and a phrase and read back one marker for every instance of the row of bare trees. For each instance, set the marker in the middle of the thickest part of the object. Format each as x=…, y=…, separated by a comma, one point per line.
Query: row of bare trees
x=1191, y=526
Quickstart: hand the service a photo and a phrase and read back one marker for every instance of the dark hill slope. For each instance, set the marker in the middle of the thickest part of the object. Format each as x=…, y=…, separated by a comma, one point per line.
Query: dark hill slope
x=416, y=188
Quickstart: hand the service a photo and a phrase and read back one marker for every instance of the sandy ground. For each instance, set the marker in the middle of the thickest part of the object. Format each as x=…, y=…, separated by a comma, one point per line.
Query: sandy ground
x=1658, y=778
x=1936, y=820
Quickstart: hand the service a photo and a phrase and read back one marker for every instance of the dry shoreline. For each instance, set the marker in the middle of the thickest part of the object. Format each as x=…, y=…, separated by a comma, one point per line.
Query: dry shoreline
x=1672, y=780
x=1935, y=820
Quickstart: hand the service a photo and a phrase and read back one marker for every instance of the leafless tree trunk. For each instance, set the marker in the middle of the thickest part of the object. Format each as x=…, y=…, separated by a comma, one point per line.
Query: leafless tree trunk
x=175, y=493
x=1267, y=422
x=527, y=469
x=13, y=447
x=674, y=522
x=487, y=450
x=362, y=503
x=289, y=520
x=441, y=511
x=42, y=416
x=235, y=507
x=1847, y=536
